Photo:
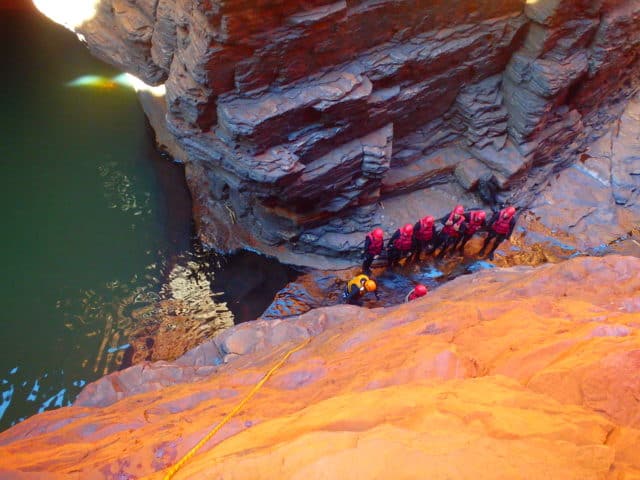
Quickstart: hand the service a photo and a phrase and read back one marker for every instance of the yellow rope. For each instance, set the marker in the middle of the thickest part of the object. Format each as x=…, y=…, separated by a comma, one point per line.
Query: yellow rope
x=177, y=466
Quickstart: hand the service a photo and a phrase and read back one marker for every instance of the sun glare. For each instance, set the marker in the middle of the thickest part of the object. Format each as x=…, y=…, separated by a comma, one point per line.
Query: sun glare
x=131, y=81
x=70, y=13
x=125, y=80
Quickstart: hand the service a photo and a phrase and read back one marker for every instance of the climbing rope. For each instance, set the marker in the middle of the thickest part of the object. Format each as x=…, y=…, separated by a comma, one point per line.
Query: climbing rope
x=177, y=466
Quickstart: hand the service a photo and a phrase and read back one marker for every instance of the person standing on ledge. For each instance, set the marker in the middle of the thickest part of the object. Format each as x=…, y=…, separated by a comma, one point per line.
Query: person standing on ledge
x=373, y=245
x=400, y=244
x=424, y=237
x=418, y=291
x=451, y=230
x=477, y=220
x=357, y=287
x=500, y=228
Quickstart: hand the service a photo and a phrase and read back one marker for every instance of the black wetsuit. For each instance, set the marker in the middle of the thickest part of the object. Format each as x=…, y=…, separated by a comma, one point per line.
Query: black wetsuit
x=353, y=295
x=468, y=232
x=394, y=254
x=448, y=237
x=368, y=256
x=494, y=234
x=419, y=245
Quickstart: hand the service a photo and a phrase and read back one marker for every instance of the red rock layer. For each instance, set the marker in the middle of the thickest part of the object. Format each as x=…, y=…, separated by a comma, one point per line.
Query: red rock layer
x=299, y=120
x=516, y=373
x=16, y=5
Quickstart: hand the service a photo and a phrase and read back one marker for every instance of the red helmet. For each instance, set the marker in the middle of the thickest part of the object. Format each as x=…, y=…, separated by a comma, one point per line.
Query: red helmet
x=407, y=229
x=428, y=220
x=458, y=210
x=480, y=215
x=377, y=233
x=420, y=290
x=510, y=211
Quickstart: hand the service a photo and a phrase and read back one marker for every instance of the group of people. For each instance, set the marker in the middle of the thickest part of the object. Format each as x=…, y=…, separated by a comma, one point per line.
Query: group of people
x=410, y=241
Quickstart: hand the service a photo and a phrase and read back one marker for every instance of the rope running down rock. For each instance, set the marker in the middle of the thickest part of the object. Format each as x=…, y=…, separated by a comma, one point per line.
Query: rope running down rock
x=178, y=465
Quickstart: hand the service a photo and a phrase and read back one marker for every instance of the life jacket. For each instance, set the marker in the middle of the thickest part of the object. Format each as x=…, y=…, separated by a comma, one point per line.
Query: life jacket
x=357, y=281
x=403, y=242
x=426, y=231
x=375, y=245
x=474, y=223
x=453, y=229
x=503, y=224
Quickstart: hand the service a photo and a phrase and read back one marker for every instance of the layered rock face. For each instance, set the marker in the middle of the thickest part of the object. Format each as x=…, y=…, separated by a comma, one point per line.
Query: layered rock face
x=299, y=121
x=514, y=373
x=592, y=206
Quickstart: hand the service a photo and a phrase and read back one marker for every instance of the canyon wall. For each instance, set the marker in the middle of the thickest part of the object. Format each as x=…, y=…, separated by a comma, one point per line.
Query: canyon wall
x=300, y=121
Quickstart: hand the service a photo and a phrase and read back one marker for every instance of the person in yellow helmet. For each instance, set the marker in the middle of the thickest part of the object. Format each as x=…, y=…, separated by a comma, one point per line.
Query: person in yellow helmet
x=357, y=287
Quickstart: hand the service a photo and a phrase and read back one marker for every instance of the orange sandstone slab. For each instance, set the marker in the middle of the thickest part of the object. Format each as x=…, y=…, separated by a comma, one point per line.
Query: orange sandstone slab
x=514, y=373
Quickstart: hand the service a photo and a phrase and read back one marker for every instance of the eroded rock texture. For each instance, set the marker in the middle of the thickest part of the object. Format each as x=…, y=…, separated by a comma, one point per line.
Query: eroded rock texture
x=591, y=206
x=299, y=121
x=506, y=373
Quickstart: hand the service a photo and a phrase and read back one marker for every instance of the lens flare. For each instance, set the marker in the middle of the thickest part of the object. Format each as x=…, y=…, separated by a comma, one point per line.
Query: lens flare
x=70, y=13
x=131, y=81
x=125, y=80
x=94, y=81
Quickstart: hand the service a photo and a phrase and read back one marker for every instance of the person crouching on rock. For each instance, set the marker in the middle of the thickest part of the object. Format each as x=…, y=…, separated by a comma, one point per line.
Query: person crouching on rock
x=357, y=287
x=501, y=226
x=418, y=291
x=373, y=245
x=451, y=230
x=424, y=237
x=400, y=244
x=477, y=220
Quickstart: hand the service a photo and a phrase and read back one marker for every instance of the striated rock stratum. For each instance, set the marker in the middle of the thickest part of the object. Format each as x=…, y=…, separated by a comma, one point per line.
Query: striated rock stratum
x=512, y=373
x=304, y=124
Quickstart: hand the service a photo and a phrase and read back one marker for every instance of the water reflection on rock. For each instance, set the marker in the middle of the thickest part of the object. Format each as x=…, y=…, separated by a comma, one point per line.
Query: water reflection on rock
x=186, y=315
x=203, y=294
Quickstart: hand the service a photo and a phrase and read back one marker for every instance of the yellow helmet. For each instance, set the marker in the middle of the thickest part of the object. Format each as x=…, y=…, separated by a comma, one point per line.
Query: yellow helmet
x=370, y=286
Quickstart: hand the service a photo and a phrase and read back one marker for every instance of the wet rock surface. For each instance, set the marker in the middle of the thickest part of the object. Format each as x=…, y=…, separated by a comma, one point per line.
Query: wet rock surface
x=496, y=373
x=590, y=207
x=323, y=288
x=299, y=122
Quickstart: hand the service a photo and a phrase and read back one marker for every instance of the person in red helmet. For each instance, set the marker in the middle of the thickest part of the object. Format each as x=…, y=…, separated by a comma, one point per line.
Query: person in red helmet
x=424, y=236
x=418, y=291
x=373, y=245
x=451, y=232
x=400, y=244
x=500, y=228
x=477, y=219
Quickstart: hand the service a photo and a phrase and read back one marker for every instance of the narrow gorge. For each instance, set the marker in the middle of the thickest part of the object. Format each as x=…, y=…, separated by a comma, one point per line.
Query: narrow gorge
x=302, y=126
